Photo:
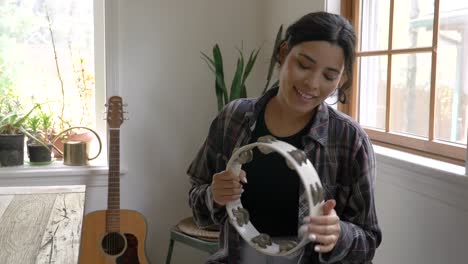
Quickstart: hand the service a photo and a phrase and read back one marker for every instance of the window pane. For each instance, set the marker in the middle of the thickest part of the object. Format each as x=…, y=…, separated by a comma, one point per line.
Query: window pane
x=374, y=24
x=452, y=67
x=373, y=91
x=412, y=23
x=47, y=55
x=411, y=81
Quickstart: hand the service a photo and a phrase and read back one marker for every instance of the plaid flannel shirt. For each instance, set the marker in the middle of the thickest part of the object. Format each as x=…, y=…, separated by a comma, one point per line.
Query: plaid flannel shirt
x=341, y=154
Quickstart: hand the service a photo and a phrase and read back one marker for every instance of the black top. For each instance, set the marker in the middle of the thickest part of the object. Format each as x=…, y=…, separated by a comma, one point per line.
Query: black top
x=272, y=193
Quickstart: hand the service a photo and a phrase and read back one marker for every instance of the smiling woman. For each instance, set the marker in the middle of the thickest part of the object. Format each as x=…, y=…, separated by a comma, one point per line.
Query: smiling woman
x=316, y=58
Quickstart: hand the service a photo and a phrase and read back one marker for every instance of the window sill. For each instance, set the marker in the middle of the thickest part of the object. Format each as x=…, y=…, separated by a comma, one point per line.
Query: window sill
x=440, y=181
x=95, y=174
x=415, y=162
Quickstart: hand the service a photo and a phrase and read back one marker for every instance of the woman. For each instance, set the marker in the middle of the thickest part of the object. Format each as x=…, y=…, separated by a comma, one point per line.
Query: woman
x=316, y=60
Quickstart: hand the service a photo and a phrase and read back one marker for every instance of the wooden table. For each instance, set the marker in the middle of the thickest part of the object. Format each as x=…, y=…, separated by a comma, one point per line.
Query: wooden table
x=41, y=225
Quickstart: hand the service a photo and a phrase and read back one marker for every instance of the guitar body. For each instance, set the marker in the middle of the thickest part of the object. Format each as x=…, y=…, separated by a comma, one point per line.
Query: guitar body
x=124, y=247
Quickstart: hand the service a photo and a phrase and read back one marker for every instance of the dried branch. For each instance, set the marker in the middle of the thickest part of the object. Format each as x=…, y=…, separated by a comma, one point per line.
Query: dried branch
x=56, y=66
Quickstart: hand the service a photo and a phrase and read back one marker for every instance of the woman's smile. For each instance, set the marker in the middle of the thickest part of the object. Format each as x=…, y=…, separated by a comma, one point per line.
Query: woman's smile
x=305, y=96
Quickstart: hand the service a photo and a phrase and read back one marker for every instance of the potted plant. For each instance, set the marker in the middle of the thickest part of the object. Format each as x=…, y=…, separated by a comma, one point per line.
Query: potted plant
x=39, y=152
x=238, y=89
x=13, y=128
x=273, y=60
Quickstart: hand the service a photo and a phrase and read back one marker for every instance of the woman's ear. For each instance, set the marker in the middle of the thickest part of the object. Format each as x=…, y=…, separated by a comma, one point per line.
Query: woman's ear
x=283, y=52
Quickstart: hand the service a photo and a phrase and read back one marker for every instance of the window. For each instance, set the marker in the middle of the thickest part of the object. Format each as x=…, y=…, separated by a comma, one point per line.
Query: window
x=410, y=86
x=52, y=52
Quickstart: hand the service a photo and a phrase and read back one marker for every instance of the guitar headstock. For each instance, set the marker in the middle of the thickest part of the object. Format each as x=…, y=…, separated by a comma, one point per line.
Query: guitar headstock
x=115, y=112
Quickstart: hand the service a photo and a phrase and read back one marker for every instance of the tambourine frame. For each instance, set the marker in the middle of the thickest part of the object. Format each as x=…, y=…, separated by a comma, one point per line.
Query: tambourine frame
x=297, y=160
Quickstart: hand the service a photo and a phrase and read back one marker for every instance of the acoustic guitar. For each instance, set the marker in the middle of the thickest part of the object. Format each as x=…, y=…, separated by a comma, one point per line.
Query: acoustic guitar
x=113, y=236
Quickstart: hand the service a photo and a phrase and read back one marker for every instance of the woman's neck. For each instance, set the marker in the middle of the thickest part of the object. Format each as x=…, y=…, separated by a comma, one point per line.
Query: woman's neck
x=283, y=121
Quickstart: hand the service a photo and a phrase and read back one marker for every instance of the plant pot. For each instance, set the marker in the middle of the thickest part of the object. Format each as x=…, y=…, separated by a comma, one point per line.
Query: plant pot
x=38, y=153
x=11, y=150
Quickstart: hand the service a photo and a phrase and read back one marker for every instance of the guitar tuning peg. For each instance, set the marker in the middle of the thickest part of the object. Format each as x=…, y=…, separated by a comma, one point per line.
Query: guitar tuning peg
x=104, y=116
x=125, y=105
x=106, y=104
x=126, y=118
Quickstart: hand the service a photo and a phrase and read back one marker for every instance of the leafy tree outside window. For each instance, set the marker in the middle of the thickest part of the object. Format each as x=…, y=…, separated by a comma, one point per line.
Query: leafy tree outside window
x=47, y=55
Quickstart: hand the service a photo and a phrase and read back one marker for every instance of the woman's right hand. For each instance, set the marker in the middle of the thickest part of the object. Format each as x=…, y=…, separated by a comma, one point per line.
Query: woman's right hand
x=226, y=186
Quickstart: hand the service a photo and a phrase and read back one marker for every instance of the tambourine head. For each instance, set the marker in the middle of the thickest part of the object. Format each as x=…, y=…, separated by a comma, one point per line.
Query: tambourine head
x=296, y=160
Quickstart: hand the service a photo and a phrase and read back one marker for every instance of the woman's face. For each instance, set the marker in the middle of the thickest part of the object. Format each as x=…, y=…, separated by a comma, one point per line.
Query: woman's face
x=309, y=73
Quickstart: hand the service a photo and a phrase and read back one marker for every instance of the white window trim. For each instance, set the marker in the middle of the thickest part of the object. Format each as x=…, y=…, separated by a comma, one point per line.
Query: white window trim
x=415, y=162
x=57, y=174
x=112, y=47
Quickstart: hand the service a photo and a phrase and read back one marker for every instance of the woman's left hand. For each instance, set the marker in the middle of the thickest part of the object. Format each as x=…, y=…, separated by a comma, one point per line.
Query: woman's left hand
x=323, y=230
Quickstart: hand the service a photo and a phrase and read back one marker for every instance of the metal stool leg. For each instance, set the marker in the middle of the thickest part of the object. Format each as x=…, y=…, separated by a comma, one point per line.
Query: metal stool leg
x=169, y=251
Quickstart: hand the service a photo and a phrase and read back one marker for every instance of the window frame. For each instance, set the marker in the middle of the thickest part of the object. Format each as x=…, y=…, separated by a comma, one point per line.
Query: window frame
x=105, y=18
x=428, y=147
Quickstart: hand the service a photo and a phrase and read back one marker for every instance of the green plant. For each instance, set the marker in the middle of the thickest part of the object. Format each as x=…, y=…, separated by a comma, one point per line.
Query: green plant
x=40, y=125
x=13, y=120
x=273, y=60
x=238, y=89
x=46, y=126
x=34, y=123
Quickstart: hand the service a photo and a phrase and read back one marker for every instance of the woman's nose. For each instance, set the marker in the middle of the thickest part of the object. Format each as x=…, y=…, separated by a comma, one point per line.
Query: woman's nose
x=312, y=85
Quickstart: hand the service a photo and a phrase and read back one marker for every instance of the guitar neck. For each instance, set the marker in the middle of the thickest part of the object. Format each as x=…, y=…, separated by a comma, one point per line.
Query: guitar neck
x=113, y=192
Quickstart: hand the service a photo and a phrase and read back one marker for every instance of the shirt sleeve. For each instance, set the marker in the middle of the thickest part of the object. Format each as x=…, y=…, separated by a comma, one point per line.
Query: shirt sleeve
x=360, y=234
x=207, y=162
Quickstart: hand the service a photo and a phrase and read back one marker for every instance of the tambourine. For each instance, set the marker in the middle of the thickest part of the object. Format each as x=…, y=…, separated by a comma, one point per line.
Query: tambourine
x=296, y=160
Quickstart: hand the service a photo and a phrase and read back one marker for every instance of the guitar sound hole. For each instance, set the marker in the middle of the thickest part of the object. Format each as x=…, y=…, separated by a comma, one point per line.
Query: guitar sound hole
x=113, y=243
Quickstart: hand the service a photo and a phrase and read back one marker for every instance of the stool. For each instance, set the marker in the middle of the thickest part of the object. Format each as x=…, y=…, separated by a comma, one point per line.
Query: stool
x=188, y=233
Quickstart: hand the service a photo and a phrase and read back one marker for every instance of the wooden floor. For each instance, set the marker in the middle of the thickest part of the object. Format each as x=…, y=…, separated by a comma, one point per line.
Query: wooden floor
x=41, y=224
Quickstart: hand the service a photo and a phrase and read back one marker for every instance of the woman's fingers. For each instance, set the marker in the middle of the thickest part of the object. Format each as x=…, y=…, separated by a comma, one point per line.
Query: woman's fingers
x=324, y=248
x=223, y=200
x=324, y=230
x=226, y=187
x=328, y=206
x=324, y=239
x=330, y=219
x=227, y=191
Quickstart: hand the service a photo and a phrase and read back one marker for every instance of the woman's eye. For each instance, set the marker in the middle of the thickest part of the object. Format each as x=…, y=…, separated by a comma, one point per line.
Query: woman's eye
x=302, y=66
x=329, y=78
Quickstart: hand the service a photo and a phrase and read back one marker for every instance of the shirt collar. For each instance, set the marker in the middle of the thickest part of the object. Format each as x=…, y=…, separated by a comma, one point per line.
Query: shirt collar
x=319, y=129
x=259, y=105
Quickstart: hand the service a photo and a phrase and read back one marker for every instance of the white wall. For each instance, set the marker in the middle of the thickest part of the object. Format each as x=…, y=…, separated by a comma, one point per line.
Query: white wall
x=422, y=212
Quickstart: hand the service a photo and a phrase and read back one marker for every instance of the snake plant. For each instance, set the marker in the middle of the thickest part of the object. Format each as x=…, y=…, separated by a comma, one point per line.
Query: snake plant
x=273, y=59
x=237, y=89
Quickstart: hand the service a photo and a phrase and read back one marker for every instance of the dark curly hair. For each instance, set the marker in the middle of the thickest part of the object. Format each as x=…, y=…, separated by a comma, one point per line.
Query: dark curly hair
x=323, y=26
